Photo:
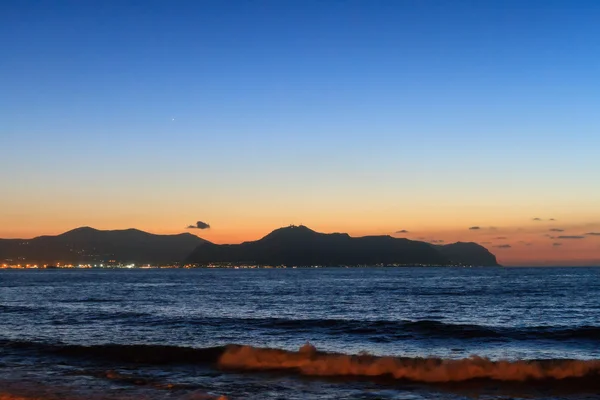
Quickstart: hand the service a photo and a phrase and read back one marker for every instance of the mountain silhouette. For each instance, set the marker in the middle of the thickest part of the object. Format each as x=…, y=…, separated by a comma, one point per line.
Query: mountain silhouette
x=293, y=245
x=87, y=245
x=301, y=246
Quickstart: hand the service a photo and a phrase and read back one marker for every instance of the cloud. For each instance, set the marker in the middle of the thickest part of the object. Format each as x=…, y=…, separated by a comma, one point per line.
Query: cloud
x=402, y=231
x=501, y=237
x=524, y=243
x=537, y=219
x=199, y=225
x=503, y=246
x=556, y=244
x=556, y=230
x=571, y=237
x=436, y=241
x=485, y=242
x=551, y=219
x=474, y=228
x=593, y=233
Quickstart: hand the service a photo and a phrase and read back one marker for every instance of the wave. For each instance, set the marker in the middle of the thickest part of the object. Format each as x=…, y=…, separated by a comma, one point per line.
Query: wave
x=443, y=330
x=430, y=329
x=133, y=353
x=311, y=362
x=392, y=329
x=379, y=330
x=16, y=309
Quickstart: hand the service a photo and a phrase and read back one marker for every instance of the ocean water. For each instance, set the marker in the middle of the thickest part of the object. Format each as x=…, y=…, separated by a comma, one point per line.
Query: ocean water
x=351, y=333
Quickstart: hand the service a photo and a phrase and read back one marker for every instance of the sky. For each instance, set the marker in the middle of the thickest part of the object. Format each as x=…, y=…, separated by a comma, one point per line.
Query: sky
x=366, y=117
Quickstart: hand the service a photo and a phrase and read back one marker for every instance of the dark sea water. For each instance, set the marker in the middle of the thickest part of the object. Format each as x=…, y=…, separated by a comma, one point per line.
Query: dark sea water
x=415, y=333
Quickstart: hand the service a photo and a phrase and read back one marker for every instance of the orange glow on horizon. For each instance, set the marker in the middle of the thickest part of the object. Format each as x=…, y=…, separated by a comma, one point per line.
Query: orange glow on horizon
x=533, y=243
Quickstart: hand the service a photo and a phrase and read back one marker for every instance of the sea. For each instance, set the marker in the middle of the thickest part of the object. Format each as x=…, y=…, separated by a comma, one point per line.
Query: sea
x=305, y=333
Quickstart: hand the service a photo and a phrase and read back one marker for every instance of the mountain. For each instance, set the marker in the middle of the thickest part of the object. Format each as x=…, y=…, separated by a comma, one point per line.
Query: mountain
x=294, y=245
x=468, y=253
x=299, y=245
x=87, y=245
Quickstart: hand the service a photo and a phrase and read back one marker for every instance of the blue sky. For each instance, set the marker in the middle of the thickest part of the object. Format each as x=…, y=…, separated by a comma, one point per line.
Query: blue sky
x=378, y=106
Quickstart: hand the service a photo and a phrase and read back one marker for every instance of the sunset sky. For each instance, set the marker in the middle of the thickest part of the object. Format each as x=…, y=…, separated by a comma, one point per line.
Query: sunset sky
x=366, y=117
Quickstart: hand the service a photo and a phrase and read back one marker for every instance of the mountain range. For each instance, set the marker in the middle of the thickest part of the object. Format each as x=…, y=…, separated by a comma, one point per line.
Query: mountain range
x=293, y=245
x=88, y=245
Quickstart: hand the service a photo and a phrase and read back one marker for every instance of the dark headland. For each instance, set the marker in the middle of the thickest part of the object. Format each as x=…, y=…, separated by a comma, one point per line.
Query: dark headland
x=301, y=246
x=290, y=246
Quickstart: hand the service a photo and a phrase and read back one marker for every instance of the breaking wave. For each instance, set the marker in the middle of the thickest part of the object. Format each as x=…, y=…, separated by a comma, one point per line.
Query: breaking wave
x=311, y=362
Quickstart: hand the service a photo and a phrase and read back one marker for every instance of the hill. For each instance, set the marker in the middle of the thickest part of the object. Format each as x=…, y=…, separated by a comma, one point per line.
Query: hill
x=468, y=253
x=299, y=245
x=88, y=245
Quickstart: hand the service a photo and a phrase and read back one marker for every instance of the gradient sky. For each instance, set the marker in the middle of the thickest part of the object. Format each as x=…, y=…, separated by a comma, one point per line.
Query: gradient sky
x=366, y=117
